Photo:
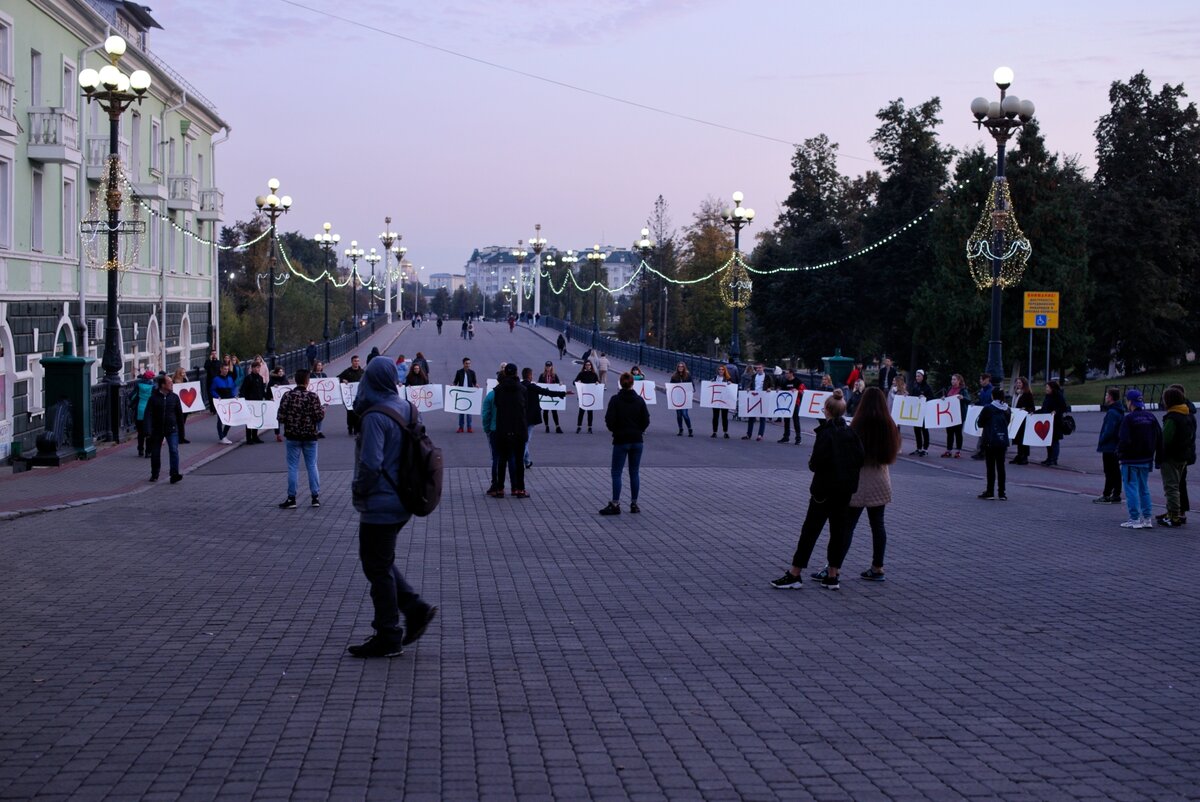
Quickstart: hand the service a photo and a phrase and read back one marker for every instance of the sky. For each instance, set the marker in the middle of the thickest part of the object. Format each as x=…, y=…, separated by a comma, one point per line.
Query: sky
x=359, y=111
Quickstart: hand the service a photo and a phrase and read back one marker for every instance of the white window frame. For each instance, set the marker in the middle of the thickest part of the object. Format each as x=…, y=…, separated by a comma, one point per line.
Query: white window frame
x=37, y=210
x=6, y=202
x=187, y=250
x=70, y=204
x=135, y=146
x=70, y=88
x=155, y=145
x=36, y=96
x=8, y=39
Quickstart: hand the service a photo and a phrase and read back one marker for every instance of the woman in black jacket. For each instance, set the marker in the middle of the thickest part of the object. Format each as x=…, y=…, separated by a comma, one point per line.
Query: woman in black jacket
x=416, y=375
x=1055, y=402
x=1022, y=398
x=586, y=376
x=254, y=389
x=627, y=417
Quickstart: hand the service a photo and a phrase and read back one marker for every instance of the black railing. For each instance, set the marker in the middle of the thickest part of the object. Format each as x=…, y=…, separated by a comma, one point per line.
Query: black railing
x=101, y=422
x=294, y=360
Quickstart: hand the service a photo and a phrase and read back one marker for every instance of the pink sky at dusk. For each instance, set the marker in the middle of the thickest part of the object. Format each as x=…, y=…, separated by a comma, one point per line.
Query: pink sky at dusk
x=358, y=124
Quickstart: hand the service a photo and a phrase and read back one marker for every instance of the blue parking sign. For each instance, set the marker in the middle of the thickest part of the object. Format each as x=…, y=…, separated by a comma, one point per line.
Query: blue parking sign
x=1040, y=320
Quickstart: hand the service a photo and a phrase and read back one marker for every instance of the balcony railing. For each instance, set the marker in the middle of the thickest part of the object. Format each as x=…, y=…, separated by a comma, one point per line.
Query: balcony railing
x=6, y=96
x=96, y=154
x=53, y=126
x=181, y=192
x=212, y=204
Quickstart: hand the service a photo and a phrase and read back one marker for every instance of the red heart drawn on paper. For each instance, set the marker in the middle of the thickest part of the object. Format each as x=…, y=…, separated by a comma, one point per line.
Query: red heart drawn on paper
x=1042, y=428
x=188, y=396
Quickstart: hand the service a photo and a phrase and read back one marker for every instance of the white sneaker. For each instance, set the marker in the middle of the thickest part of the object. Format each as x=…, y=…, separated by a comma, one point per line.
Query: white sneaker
x=225, y=441
x=1147, y=523
x=1132, y=523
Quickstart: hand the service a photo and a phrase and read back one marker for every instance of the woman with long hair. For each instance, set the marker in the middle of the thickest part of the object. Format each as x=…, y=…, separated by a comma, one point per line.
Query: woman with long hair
x=548, y=376
x=957, y=389
x=1022, y=398
x=180, y=377
x=587, y=375
x=1055, y=402
x=722, y=415
x=880, y=438
x=682, y=416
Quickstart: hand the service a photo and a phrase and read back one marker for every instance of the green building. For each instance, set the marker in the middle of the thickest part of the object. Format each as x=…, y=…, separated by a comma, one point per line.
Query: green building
x=53, y=152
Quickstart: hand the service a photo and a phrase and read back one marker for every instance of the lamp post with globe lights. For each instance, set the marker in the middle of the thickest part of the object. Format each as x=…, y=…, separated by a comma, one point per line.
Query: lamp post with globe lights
x=272, y=205
x=596, y=259
x=398, y=251
x=354, y=253
x=115, y=92
x=520, y=255
x=1002, y=119
x=373, y=259
x=389, y=239
x=327, y=242
x=736, y=286
x=537, y=244
x=645, y=248
x=569, y=260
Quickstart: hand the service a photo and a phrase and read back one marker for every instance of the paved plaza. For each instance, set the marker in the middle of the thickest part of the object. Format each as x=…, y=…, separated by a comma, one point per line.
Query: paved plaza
x=188, y=641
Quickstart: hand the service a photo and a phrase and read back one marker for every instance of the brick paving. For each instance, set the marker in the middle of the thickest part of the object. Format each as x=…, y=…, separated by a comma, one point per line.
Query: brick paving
x=189, y=643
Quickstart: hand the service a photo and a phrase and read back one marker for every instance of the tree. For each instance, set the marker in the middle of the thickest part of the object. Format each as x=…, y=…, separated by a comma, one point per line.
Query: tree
x=440, y=305
x=1143, y=240
x=700, y=313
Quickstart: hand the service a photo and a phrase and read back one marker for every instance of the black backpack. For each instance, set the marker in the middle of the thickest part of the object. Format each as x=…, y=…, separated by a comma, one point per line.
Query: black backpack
x=997, y=430
x=419, y=476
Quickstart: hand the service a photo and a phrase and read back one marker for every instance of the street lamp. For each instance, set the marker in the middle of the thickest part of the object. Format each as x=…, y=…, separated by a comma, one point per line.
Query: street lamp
x=389, y=239
x=327, y=242
x=538, y=243
x=373, y=259
x=399, y=251
x=114, y=91
x=997, y=241
x=644, y=247
x=272, y=206
x=519, y=254
x=569, y=260
x=736, y=288
x=596, y=259
x=354, y=253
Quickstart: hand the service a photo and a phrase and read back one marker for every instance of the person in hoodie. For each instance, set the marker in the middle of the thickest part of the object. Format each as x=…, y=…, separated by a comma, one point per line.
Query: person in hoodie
x=533, y=408
x=139, y=398
x=512, y=430
x=1179, y=449
x=920, y=387
x=627, y=418
x=1107, y=446
x=1184, y=506
x=993, y=428
x=1139, y=444
x=381, y=515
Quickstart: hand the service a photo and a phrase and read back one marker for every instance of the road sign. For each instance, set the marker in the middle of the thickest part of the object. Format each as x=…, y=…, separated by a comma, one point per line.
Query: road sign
x=1041, y=310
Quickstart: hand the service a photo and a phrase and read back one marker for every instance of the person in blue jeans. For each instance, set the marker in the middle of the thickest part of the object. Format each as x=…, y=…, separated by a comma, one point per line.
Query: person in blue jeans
x=465, y=377
x=627, y=418
x=299, y=414
x=164, y=419
x=1139, y=446
x=682, y=416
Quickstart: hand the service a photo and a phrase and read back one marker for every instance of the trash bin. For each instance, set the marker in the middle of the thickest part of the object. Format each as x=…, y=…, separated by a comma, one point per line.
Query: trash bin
x=838, y=367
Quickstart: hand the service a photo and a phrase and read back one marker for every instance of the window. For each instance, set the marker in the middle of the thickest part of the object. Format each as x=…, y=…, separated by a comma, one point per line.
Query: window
x=187, y=158
x=187, y=249
x=135, y=147
x=155, y=238
x=68, y=217
x=36, y=211
x=70, y=89
x=35, y=78
x=200, y=178
x=171, y=248
x=6, y=205
x=6, y=43
x=170, y=165
x=155, y=144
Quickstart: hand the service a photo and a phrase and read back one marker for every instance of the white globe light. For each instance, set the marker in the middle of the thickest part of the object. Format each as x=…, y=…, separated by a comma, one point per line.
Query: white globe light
x=139, y=80
x=1026, y=110
x=337, y=238
x=122, y=82
x=286, y=201
x=114, y=46
x=272, y=199
x=749, y=214
x=1011, y=105
x=110, y=76
x=1003, y=76
x=273, y=184
x=738, y=197
x=979, y=107
x=89, y=78
x=994, y=112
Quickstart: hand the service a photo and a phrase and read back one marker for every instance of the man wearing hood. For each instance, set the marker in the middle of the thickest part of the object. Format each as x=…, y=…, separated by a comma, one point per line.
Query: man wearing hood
x=511, y=430
x=382, y=515
x=139, y=399
x=993, y=439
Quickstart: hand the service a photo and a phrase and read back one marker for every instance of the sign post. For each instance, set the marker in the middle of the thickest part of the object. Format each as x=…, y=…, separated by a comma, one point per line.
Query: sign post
x=1041, y=312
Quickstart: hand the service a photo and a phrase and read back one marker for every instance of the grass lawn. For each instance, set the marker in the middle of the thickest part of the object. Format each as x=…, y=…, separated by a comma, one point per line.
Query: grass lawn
x=1093, y=392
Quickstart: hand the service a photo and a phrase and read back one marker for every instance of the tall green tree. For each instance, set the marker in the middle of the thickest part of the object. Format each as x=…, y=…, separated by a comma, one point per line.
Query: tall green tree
x=1143, y=239
x=699, y=313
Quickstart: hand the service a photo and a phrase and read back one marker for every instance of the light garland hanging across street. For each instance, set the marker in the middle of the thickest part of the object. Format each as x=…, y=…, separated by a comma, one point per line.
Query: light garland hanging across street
x=998, y=219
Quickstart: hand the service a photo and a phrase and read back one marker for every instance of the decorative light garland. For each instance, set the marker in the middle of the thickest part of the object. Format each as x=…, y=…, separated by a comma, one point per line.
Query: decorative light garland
x=998, y=218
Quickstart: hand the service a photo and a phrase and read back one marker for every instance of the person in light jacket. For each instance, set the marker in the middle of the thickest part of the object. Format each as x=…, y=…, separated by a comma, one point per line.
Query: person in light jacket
x=880, y=438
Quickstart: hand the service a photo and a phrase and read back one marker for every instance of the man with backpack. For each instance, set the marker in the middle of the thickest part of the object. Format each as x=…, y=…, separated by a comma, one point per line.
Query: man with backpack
x=993, y=440
x=382, y=513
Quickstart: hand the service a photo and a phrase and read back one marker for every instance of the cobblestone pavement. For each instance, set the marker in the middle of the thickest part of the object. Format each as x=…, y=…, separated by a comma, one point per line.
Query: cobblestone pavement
x=189, y=642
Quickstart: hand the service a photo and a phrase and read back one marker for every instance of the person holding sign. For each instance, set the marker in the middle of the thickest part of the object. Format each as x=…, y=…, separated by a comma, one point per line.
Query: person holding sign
x=180, y=377
x=587, y=375
x=533, y=409
x=1054, y=401
x=792, y=382
x=548, y=376
x=223, y=387
x=465, y=377
x=757, y=382
x=682, y=416
x=725, y=377
x=836, y=460
x=954, y=434
x=993, y=437
x=1022, y=398
x=627, y=418
x=920, y=388
x=352, y=374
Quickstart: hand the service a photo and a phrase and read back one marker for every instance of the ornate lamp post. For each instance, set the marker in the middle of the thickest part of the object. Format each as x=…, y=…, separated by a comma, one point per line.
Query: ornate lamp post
x=399, y=251
x=115, y=92
x=997, y=242
x=417, y=290
x=389, y=239
x=354, y=253
x=570, y=259
x=736, y=289
x=327, y=242
x=538, y=244
x=272, y=206
x=519, y=254
x=373, y=259
x=596, y=259
x=645, y=248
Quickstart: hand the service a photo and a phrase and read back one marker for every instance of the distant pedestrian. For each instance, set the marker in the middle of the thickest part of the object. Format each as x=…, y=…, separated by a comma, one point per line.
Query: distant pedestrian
x=382, y=515
x=139, y=397
x=471, y=330
x=627, y=418
x=465, y=377
x=682, y=376
x=993, y=428
x=1179, y=451
x=1107, y=444
x=836, y=460
x=310, y=353
x=439, y=325
x=164, y=414
x=562, y=347
x=887, y=374
x=464, y=328
x=222, y=387
x=602, y=367
x=511, y=430
x=300, y=412
x=1139, y=445
x=373, y=353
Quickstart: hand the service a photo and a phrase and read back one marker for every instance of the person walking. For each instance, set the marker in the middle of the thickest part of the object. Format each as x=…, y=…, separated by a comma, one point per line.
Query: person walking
x=511, y=430
x=1023, y=399
x=586, y=375
x=954, y=434
x=722, y=415
x=310, y=353
x=683, y=376
x=1107, y=443
x=1054, y=401
x=533, y=407
x=759, y=381
x=548, y=376
x=381, y=516
x=562, y=346
x=465, y=377
x=602, y=367
x=300, y=412
x=439, y=325
x=164, y=415
x=464, y=328
x=180, y=377
x=222, y=387
x=920, y=388
x=1179, y=450
x=993, y=427
x=627, y=418
x=836, y=460
x=793, y=382
x=352, y=374
x=139, y=397
x=471, y=329
x=1139, y=446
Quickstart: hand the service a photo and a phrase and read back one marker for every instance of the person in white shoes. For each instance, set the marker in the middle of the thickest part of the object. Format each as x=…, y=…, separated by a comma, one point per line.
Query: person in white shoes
x=1139, y=446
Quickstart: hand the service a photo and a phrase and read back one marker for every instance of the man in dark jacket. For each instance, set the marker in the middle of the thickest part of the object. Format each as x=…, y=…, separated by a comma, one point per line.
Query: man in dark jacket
x=465, y=377
x=254, y=388
x=887, y=374
x=350, y=375
x=512, y=429
x=299, y=414
x=212, y=369
x=627, y=418
x=1139, y=446
x=164, y=414
x=533, y=409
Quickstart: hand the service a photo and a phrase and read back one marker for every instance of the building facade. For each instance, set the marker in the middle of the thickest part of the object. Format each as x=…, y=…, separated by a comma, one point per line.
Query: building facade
x=492, y=267
x=53, y=153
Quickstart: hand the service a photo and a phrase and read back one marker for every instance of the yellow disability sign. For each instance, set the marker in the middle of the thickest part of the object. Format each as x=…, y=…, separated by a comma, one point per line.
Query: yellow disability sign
x=1041, y=310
